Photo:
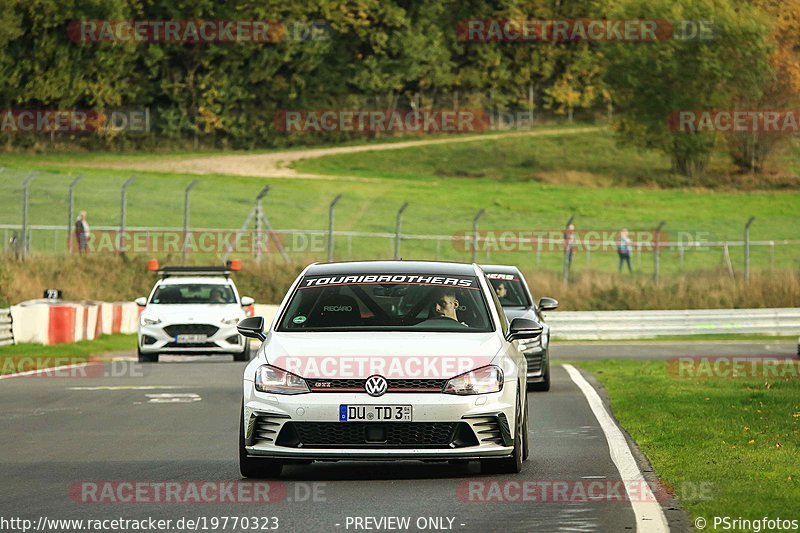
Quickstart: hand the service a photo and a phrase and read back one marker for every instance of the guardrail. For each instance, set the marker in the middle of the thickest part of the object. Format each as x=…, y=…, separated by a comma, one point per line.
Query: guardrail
x=649, y=324
x=6, y=329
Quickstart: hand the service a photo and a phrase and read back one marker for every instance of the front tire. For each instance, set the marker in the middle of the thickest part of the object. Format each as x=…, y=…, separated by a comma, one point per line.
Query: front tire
x=513, y=463
x=252, y=467
x=245, y=354
x=146, y=357
x=544, y=385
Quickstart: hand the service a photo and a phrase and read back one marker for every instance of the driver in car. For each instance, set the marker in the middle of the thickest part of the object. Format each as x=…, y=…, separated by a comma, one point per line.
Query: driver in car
x=216, y=297
x=445, y=305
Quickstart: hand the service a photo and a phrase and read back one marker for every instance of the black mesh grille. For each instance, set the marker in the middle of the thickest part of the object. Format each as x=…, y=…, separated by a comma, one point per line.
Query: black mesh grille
x=395, y=385
x=190, y=345
x=376, y=435
x=534, y=363
x=190, y=329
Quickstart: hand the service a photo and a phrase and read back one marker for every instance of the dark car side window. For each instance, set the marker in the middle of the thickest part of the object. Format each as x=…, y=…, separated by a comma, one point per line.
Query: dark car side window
x=498, y=306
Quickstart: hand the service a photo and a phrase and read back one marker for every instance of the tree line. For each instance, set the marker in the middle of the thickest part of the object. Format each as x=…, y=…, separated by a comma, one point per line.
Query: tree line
x=399, y=54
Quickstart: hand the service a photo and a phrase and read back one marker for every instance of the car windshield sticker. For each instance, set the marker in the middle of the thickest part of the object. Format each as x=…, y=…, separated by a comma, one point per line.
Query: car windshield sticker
x=299, y=319
x=508, y=277
x=417, y=279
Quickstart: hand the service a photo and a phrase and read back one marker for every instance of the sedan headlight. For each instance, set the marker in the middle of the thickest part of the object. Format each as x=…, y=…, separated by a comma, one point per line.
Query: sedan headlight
x=231, y=321
x=277, y=381
x=150, y=320
x=479, y=381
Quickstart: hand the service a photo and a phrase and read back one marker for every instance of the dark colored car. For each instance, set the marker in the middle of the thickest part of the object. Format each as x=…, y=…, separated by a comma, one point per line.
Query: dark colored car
x=515, y=297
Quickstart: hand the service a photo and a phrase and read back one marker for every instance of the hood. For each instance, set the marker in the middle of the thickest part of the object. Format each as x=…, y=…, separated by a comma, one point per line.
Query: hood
x=391, y=354
x=188, y=313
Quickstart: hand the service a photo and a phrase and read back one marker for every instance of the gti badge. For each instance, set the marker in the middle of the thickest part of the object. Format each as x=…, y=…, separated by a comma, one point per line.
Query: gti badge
x=376, y=386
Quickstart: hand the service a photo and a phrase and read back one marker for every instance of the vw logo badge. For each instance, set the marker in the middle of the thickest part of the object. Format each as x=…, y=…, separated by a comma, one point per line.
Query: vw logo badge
x=376, y=386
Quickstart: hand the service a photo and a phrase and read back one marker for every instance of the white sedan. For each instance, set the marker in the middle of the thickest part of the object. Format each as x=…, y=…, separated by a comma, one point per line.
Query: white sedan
x=389, y=360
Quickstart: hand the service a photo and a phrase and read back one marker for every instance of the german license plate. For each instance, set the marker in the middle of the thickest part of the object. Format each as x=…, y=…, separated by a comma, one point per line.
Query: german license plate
x=190, y=339
x=374, y=413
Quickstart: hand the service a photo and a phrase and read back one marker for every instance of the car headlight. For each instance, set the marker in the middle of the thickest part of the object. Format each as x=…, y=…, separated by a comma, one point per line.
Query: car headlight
x=277, y=381
x=479, y=381
x=231, y=321
x=150, y=320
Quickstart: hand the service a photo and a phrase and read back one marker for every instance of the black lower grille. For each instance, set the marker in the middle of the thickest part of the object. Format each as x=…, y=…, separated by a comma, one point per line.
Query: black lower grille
x=395, y=385
x=534, y=363
x=376, y=435
x=264, y=428
x=191, y=345
x=190, y=329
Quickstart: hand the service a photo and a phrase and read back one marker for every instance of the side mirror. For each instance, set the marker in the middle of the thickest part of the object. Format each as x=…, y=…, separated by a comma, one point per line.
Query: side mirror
x=548, y=304
x=523, y=328
x=246, y=300
x=141, y=301
x=252, y=327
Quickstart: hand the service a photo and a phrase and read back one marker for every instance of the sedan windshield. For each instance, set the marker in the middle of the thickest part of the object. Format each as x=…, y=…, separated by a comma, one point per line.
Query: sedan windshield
x=510, y=290
x=194, y=293
x=387, y=302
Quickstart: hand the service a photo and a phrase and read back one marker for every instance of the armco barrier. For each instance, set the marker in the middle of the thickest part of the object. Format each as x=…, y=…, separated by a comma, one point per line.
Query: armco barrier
x=6, y=329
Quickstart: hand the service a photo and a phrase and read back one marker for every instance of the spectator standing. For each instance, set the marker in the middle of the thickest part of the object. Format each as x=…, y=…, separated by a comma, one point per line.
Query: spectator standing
x=569, y=245
x=624, y=246
x=82, y=233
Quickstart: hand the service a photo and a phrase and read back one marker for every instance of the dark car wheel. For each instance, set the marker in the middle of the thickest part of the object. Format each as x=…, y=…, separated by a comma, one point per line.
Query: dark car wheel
x=245, y=354
x=544, y=385
x=147, y=357
x=254, y=467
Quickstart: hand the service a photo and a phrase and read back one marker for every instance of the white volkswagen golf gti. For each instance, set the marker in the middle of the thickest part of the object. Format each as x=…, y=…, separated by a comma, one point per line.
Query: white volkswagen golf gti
x=386, y=360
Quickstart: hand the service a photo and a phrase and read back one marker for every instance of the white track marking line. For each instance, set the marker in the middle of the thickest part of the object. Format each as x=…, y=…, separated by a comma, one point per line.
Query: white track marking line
x=131, y=387
x=44, y=370
x=649, y=515
x=173, y=398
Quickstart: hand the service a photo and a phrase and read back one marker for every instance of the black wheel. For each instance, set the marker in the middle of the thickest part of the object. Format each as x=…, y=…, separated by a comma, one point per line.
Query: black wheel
x=245, y=354
x=544, y=385
x=253, y=467
x=147, y=357
x=513, y=463
x=527, y=443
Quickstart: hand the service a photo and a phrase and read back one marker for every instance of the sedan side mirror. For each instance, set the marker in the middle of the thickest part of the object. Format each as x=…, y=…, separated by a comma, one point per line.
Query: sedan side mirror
x=548, y=304
x=523, y=328
x=141, y=301
x=246, y=300
x=252, y=327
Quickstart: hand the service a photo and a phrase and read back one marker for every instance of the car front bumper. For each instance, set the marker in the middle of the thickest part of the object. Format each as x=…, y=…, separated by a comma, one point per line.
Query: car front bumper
x=277, y=426
x=154, y=339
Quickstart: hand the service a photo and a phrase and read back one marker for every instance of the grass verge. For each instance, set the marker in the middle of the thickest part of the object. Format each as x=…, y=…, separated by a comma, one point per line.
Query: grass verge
x=21, y=357
x=739, y=438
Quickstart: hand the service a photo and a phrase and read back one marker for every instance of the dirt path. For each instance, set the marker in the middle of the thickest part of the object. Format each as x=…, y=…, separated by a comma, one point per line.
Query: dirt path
x=276, y=164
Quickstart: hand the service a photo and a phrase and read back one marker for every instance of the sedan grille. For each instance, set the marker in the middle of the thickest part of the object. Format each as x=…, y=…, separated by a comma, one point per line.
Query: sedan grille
x=190, y=329
x=376, y=435
x=534, y=363
x=395, y=385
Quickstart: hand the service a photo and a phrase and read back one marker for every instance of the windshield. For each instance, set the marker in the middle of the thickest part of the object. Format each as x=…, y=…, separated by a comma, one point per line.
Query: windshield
x=510, y=290
x=387, y=302
x=194, y=293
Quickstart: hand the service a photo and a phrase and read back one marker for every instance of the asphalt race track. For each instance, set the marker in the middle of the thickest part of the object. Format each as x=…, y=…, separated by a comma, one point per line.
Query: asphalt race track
x=177, y=421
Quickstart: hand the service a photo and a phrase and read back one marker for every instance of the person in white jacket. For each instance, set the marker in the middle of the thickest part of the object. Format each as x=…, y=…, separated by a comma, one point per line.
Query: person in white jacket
x=82, y=233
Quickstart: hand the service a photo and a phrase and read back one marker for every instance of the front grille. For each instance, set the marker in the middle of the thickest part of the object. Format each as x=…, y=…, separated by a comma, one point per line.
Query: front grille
x=395, y=385
x=534, y=363
x=488, y=429
x=376, y=435
x=190, y=329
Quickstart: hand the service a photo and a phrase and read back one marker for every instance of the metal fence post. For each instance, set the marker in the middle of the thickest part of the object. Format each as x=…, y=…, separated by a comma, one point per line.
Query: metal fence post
x=259, y=218
x=186, y=215
x=330, y=226
x=397, y=231
x=477, y=216
x=568, y=243
x=747, y=249
x=25, y=195
x=70, y=220
x=656, y=252
x=122, y=211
